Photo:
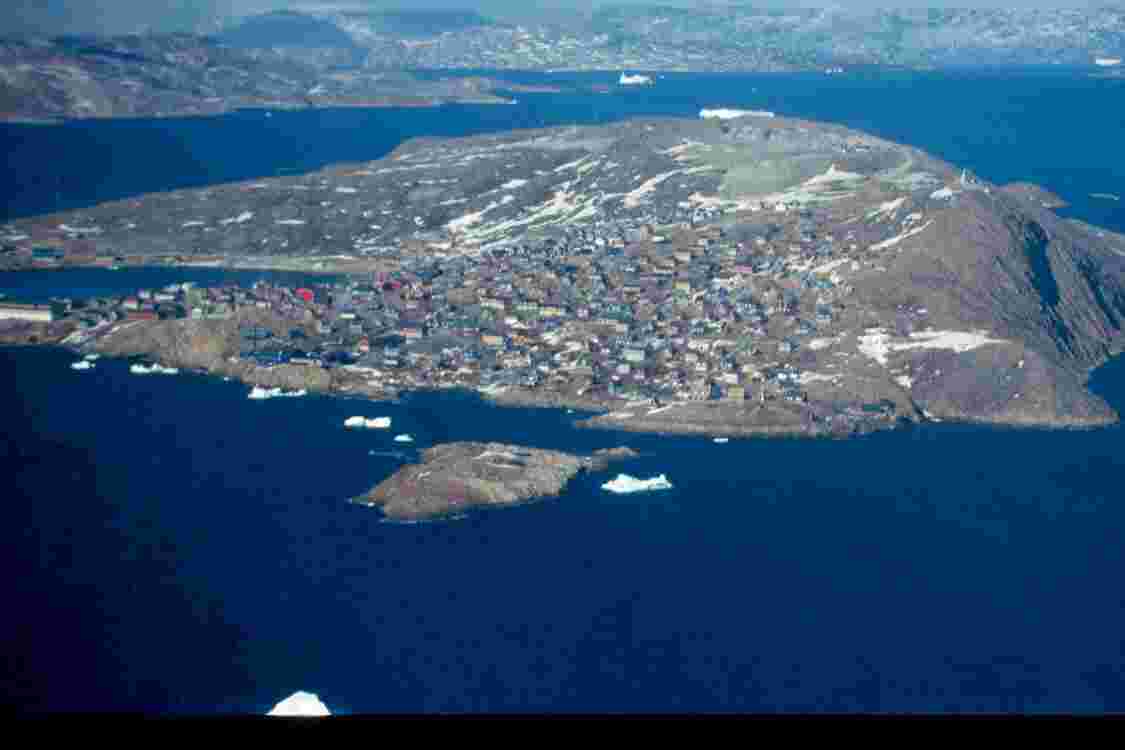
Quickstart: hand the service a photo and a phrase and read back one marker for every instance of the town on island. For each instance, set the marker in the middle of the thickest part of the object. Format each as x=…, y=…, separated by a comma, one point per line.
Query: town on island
x=736, y=274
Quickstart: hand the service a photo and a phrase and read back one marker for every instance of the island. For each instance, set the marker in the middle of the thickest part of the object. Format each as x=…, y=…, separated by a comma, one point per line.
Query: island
x=742, y=275
x=454, y=477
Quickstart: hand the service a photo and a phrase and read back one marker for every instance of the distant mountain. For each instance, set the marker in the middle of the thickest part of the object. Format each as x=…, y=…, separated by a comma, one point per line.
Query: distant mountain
x=286, y=29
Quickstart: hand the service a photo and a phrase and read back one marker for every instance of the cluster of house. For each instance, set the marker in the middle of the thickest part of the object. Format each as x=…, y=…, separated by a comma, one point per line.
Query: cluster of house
x=675, y=313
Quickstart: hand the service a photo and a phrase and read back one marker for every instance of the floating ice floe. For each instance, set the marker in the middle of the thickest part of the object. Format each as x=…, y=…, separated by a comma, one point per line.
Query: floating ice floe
x=260, y=394
x=722, y=441
x=730, y=114
x=625, y=484
x=404, y=439
x=379, y=423
x=152, y=370
x=301, y=704
x=637, y=80
x=82, y=365
x=92, y=357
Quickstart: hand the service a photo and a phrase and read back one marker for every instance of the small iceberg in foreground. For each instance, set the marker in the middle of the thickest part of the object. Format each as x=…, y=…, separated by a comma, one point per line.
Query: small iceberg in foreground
x=153, y=370
x=301, y=704
x=82, y=365
x=624, y=484
x=403, y=439
x=721, y=441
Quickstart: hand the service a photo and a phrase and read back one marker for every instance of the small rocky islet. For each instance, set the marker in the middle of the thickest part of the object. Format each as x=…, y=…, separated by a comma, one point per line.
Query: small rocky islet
x=454, y=477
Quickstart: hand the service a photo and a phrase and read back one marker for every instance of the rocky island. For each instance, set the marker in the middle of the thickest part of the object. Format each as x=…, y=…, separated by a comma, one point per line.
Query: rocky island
x=454, y=477
x=735, y=274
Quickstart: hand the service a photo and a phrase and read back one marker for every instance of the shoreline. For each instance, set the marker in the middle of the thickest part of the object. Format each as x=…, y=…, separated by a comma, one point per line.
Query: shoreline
x=589, y=415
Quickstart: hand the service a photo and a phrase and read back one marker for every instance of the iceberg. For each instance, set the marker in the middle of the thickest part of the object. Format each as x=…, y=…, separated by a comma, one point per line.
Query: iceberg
x=379, y=423
x=301, y=704
x=721, y=441
x=92, y=357
x=260, y=394
x=637, y=80
x=730, y=114
x=82, y=365
x=153, y=370
x=624, y=484
x=403, y=439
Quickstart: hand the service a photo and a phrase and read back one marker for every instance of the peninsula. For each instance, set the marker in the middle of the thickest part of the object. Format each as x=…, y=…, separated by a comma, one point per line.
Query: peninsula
x=744, y=275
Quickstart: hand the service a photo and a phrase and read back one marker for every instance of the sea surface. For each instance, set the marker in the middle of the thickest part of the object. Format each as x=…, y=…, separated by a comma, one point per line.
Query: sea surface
x=171, y=546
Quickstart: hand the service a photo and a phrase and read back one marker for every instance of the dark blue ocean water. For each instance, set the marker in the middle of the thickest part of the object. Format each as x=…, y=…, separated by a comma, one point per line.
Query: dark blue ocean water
x=171, y=546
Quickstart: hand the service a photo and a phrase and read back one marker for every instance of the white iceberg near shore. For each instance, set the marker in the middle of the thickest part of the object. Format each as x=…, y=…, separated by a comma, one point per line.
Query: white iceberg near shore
x=403, y=439
x=624, y=484
x=730, y=114
x=82, y=365
x=637, y=80
x=153, y=370
x=92, y=357
x=379, y=423
x=260, y=394
x=301, y=704
x=722, y=441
